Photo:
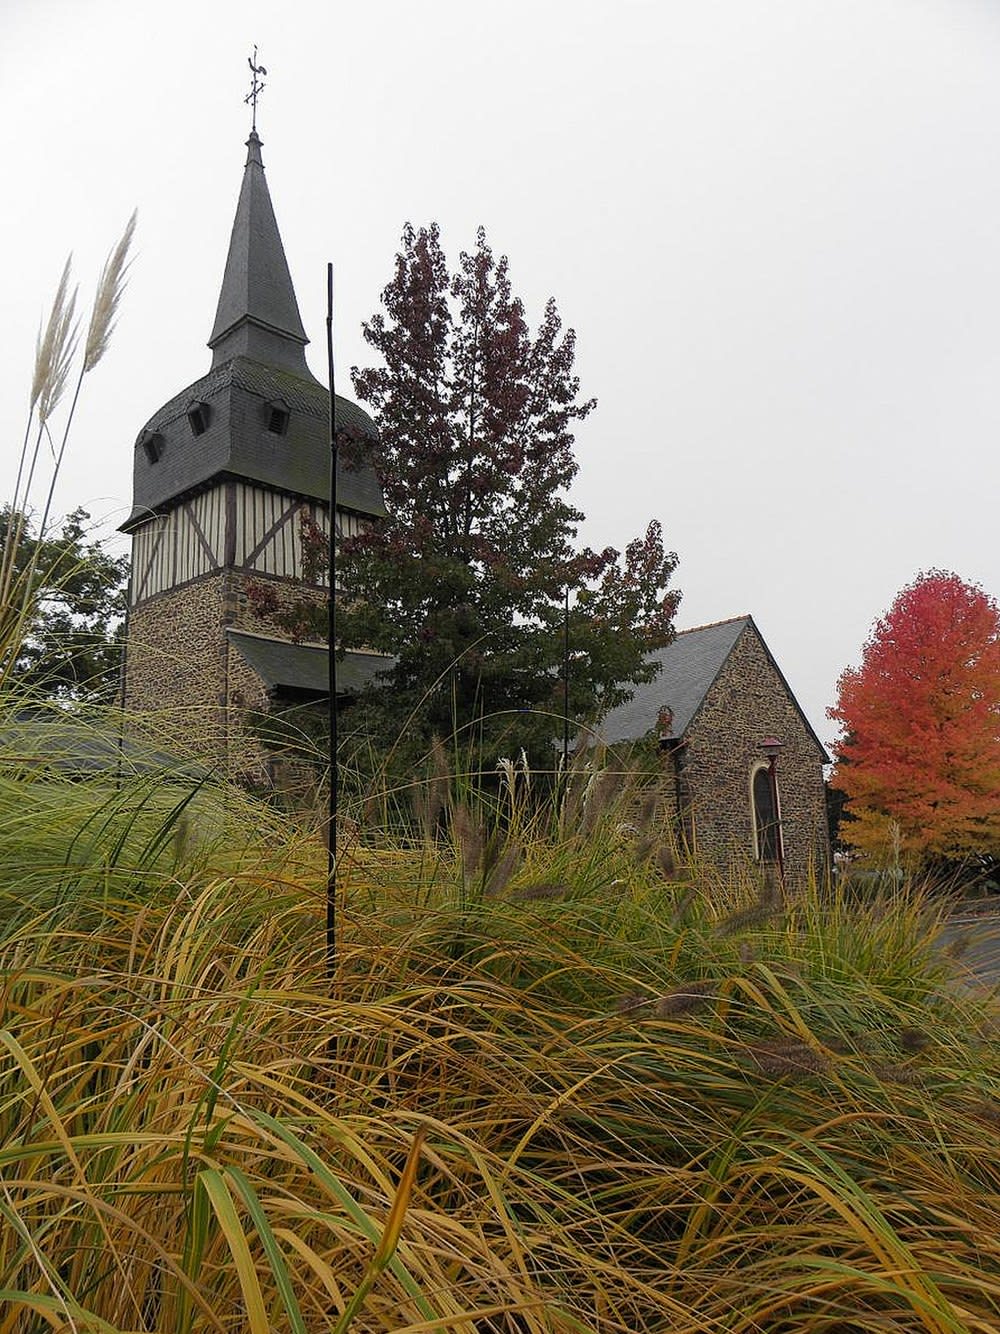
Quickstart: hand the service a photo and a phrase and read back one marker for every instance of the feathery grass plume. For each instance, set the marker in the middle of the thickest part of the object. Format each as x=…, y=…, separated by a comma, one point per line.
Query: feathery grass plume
x=898, y=1072
x=421, y=810
x=641, y=849
x=500, y=874
x=470, y=837
x=542, y=889
x=633, y=1001
x=666, y=861
x=756, y=915
x=747, y=953
x=516, y=786
x=53, y=354
x=54, y=348
x=913, y=1039
x=505, y=766
x=572, y=798
x=440, y=775
x=679, y=910
x=647, y=809
x=601, y=792
x=687, y=998
x=426, y=812
x=110, y=288
x=787, y=1056
x=430, y=798
x=839, y=1046
x=64, y=349
x=181, y=837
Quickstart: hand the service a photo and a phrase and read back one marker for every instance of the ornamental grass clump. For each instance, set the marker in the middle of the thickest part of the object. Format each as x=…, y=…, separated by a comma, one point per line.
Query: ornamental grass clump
x=470, y=1129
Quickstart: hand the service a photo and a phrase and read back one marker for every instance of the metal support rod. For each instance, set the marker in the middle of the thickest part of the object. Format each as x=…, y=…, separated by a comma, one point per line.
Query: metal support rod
x=331, y=829
x=566, y=688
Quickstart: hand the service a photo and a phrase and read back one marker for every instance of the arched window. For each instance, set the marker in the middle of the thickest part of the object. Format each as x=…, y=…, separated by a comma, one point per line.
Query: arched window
x=766, y=814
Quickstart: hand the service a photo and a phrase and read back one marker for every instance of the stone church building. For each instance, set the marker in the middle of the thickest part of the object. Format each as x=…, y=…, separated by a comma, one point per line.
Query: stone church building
x=740, y=768
x=223, y=474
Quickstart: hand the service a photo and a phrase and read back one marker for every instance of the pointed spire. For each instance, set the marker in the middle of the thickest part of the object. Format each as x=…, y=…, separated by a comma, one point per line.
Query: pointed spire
x=257, y=316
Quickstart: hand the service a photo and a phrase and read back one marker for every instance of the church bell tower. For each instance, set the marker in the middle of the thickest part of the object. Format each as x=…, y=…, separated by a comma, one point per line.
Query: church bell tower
x=225, y=476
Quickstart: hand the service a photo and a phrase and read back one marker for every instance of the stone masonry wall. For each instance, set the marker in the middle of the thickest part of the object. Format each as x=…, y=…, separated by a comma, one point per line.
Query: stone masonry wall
x=186, y=688
x=747, y=703
x=175, y=677
x=249, y=761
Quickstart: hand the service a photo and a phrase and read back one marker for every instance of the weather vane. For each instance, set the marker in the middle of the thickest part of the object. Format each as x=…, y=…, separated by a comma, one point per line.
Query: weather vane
x=256, y=87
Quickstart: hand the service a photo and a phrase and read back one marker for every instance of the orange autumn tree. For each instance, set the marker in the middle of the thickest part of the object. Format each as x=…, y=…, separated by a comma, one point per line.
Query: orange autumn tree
x=919, y=759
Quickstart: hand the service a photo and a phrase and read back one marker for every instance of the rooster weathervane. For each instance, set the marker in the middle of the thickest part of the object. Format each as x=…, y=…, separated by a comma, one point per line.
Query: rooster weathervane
x=257, y=86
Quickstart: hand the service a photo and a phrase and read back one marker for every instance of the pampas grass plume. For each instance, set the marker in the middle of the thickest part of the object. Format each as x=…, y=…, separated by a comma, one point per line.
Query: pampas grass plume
x=55, y=348
x=109, y=294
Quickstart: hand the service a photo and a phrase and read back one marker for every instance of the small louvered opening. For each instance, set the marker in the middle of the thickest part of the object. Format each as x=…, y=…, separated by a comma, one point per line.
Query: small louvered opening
x=152, y=443
x=276, y=416
x=199, y=415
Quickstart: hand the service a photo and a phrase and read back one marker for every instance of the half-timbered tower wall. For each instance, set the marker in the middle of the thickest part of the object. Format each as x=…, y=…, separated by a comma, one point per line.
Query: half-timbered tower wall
x=192, y=573
x=232, y=526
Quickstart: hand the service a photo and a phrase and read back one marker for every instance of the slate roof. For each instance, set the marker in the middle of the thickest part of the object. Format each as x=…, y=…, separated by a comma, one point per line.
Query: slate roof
x=258, y=356
x=688, y=665
x=257, y=285
x=237, y=442
x=303, y=667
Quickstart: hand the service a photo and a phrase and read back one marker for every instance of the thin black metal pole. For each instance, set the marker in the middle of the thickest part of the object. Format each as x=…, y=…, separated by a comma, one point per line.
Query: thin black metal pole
x=331, y=829
x=122, y=684
x=566, y=688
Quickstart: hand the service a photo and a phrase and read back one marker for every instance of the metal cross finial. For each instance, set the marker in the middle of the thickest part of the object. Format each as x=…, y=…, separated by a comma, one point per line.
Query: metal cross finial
x=256, y=87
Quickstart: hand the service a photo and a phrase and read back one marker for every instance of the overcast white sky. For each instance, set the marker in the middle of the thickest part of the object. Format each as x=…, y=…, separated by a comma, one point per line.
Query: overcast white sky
x=774, y=224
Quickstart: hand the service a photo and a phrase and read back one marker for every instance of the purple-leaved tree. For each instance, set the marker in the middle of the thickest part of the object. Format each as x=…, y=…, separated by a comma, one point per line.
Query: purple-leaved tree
x=464, y=583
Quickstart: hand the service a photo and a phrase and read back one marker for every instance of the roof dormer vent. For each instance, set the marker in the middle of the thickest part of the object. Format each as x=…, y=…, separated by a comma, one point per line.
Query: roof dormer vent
x=199, y=415
x=276, y=416
x=152, y=443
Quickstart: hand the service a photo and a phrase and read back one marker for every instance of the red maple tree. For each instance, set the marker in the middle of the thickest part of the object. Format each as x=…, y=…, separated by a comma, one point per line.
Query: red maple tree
x=919, y=759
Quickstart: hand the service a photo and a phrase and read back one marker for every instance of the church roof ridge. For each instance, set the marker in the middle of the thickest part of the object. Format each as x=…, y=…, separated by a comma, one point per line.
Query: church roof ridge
x=712, y=625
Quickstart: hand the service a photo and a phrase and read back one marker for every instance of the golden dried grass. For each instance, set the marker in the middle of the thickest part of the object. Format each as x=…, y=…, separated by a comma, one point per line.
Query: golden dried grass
x=197, y=1132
